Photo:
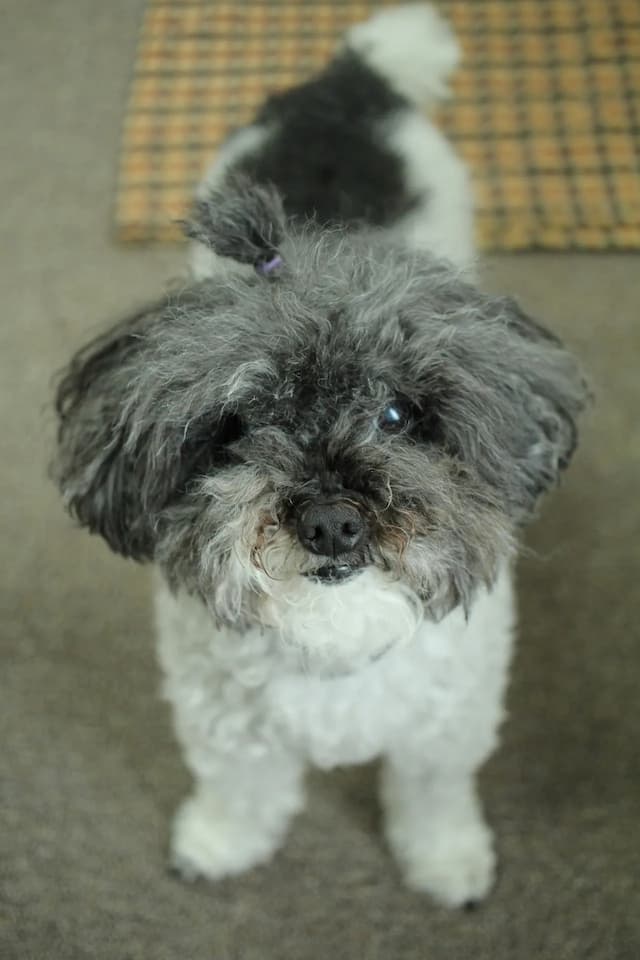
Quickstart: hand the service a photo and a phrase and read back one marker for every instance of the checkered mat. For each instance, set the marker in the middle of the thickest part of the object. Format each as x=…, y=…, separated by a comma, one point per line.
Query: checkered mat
x=546, y=108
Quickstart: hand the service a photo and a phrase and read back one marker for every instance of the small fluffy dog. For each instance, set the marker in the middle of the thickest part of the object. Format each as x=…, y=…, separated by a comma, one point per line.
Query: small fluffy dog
x=327, y=441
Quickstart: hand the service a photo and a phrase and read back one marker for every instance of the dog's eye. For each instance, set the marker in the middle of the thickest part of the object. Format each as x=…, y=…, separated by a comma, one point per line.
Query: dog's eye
x=230, y=429
x=394, y=417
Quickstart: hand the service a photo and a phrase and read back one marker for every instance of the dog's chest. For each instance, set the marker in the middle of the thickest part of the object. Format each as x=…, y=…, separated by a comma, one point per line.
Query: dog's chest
x=418, y=693
x=352, y=719
x=235, y=693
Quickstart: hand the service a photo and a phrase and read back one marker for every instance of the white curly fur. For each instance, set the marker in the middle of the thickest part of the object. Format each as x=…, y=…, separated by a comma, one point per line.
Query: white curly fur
x=350, y=672
x=428, y=699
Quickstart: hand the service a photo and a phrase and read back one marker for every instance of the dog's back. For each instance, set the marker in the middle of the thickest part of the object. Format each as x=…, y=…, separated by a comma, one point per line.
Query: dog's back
x=353, y=146
x=325, y=153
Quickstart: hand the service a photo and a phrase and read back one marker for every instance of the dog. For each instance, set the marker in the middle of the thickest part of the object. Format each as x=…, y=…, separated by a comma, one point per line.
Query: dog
x=327, y=441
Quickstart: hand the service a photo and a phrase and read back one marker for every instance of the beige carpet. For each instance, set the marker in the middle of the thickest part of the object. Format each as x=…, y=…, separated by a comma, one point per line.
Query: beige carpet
x=89, y=773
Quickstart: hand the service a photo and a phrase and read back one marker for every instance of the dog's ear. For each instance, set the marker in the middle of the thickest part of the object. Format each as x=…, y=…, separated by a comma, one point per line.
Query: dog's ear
x=545, y=391
x=242, y=220
x=116, y=472
x=103, y=475
x=503, y=392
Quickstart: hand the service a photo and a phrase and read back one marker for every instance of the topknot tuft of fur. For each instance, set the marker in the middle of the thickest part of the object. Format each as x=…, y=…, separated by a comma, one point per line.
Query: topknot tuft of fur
x=241, y=220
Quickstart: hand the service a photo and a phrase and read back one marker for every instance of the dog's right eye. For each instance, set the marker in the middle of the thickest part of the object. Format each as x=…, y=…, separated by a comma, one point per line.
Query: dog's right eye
x=204, y=447
x=229, y=429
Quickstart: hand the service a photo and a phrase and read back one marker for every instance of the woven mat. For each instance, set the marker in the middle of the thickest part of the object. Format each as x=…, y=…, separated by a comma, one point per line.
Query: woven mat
x=546, y=108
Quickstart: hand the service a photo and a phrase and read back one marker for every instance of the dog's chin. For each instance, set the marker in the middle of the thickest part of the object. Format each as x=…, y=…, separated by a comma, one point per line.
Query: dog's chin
x=335, y=632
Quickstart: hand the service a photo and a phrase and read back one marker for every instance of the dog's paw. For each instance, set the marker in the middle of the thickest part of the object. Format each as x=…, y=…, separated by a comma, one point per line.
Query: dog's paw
x=205, y=843
x=457, y=869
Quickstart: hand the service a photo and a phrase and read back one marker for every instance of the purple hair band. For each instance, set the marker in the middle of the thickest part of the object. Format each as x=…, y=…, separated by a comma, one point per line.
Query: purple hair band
x=267, y=266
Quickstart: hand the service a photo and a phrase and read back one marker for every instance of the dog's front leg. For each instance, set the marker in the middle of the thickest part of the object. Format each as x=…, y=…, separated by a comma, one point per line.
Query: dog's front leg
x=436, y=830
x=237, y=818
x=248, y=781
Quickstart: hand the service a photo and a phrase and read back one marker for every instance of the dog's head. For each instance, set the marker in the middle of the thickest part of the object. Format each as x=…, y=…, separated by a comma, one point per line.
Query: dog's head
x=352, y=410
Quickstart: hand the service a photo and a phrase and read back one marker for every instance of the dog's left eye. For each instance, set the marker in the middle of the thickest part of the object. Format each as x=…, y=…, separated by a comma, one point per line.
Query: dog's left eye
x=393, y=418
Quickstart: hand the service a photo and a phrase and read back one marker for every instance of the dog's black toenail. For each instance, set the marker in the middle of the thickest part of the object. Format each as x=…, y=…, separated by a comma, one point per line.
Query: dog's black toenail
x=182, y=872
x=470, y=905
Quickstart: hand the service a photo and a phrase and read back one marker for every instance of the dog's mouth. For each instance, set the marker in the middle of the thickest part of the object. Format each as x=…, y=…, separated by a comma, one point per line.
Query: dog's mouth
x=334, y=572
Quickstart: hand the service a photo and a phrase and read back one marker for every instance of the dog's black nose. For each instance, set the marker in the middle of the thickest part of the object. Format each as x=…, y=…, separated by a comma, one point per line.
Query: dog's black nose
x=330, y=529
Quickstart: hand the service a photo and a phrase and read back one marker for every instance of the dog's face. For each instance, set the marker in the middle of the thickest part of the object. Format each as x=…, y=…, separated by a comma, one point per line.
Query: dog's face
x=362, y=411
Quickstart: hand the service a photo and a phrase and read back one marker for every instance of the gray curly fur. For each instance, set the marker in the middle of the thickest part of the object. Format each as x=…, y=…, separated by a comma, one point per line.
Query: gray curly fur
x=245, y=222
x=237, y=398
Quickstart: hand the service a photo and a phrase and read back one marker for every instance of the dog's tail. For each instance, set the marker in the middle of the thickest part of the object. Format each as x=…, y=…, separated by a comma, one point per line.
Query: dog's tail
x=412, y=47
